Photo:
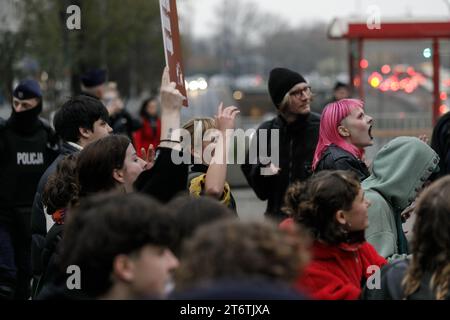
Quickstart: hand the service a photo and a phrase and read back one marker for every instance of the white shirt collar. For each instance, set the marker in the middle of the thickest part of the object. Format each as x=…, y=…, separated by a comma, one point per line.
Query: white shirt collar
x=76, y=146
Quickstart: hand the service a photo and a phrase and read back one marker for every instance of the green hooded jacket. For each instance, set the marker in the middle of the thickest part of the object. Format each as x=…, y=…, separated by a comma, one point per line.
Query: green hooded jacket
x=399, y=171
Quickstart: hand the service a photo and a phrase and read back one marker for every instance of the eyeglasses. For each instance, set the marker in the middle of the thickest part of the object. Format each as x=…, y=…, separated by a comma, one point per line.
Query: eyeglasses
x=299, y=92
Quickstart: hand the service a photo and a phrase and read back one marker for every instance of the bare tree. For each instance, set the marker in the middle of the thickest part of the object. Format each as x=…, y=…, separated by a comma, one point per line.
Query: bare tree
x=239, y=29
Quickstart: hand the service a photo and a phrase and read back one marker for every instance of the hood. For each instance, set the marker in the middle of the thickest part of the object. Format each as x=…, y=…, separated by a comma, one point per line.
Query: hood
x=400, y=169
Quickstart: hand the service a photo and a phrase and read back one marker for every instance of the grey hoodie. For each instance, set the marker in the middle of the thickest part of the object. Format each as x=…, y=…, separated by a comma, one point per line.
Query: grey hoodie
x=399, y=171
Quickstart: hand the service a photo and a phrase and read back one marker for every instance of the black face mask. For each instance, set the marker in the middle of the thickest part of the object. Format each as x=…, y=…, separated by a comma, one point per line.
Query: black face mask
x=26, y=121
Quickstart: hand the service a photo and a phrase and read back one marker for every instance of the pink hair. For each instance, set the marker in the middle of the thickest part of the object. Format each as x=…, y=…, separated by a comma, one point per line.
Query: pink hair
x=331, y=118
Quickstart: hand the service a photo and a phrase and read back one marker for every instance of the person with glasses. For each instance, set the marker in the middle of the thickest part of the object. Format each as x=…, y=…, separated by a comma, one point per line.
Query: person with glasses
x=298, y=135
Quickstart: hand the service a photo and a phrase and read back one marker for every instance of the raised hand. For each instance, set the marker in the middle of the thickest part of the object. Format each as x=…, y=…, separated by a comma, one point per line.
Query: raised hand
x=171, y=98
x=225, y=118
x=148, y=157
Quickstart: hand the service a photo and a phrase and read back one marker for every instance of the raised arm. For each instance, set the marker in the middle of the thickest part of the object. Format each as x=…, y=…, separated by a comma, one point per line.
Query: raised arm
x=217, y=170
x=165, y=179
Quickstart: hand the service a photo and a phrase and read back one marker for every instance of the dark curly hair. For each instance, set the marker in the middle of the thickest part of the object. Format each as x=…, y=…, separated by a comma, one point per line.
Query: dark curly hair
x=192, y=212
x=314, y=204
x=431, y=240
x=61, y=189
x=236, y=250
x=106, y=225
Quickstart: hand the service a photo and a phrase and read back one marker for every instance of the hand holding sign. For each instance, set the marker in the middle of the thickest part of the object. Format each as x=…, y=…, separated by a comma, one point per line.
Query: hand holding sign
x=171, y=98
x=172, y=47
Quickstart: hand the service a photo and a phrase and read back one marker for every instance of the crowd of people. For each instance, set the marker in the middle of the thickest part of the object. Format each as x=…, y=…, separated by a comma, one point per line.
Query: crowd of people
x=94, y=206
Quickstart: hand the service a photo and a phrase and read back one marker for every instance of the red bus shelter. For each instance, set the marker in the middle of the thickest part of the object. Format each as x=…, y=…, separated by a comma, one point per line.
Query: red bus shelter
x=357, y=32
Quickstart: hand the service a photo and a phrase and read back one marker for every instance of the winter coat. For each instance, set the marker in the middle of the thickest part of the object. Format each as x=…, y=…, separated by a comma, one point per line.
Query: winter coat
x=335, y=158
x=124, y=123
x=339, y=272
x=296, y=145
x=391, y=287
x=38, y=219
x=440, y=142
x=25, y=153
x=148, y=134
x=165, y=179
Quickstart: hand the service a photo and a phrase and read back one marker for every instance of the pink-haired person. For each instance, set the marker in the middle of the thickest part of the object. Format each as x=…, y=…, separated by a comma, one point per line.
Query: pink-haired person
x=345, y=131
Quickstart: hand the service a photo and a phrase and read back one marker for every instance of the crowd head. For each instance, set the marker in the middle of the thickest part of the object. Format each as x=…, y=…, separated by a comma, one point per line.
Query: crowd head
x=431, y=241
x=121, y=244
x=290, y=92
x=242, y=251
x=108, y=163
x=331, y=205
x=344, y=124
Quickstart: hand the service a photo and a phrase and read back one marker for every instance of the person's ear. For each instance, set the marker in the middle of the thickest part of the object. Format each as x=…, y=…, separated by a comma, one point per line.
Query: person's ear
x=340, y=217
x=343, y=131
x=118, y=175
x=100, y=91
x=85, y=133
x=123, y=268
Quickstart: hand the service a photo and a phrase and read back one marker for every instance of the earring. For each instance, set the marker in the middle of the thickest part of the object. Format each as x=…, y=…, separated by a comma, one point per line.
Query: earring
x=344, y=229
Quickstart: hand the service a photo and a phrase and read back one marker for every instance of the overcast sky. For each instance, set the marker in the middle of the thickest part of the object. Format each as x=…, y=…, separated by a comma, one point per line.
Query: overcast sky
x=298, y=12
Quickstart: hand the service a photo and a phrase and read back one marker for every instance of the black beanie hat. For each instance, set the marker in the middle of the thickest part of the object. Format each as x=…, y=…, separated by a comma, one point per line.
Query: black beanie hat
x=281, y=80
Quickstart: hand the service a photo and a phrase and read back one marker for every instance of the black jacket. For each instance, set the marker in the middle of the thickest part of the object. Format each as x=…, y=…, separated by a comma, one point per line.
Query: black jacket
x=440, y=142
x=296, y=147
x=38, y=220
x=25, y=154
x=336, y=158
x=124, y=123
x=165, y=179
x=391, y=287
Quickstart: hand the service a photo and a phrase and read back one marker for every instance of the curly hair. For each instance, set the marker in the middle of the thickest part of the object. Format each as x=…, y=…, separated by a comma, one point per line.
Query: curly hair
x=314, y=203
x=106, y=225
x=61, y=189
x=192, y=212
x=232, y=249
x=431, y=241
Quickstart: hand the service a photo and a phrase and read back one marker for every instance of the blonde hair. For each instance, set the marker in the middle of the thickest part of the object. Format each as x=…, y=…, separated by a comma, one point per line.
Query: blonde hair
x=285, y=102
x=193, y=126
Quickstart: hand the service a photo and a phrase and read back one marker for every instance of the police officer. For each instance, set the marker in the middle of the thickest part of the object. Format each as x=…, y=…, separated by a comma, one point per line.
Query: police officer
x=93, y=83
x=27, y=146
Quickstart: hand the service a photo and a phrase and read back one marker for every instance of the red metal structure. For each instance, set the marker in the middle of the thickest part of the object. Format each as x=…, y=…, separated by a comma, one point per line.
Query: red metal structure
x=356, y=33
